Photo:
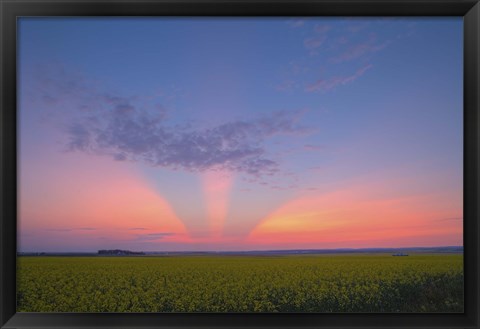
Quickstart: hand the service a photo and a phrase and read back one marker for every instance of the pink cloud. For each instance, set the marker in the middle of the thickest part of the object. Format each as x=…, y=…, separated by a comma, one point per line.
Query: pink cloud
x=310, y=147
x=297, y=22
x=314, y=42
x=287, y=85
x=332, y=83
x=354, y=28
x=319, y=38
x=359, y=50
x=322, y=29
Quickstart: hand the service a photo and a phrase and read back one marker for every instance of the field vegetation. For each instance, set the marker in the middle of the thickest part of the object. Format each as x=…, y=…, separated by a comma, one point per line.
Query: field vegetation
x=310, y=283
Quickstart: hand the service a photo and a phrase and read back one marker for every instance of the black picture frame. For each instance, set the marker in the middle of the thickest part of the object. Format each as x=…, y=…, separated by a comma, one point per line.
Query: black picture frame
x=10, y=10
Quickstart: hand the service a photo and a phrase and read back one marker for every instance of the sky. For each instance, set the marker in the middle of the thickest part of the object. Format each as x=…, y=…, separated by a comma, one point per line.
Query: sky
x=217, y=134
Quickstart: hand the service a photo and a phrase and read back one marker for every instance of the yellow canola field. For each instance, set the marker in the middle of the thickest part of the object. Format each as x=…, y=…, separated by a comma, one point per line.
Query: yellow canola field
x=304, y=283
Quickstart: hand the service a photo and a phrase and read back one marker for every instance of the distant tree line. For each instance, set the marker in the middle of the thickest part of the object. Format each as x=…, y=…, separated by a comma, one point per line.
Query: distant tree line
x=119, y=252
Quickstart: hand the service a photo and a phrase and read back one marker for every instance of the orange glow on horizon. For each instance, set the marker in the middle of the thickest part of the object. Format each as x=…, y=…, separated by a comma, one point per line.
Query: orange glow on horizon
x=108, y=201
x=357, y=217
x=118, y=204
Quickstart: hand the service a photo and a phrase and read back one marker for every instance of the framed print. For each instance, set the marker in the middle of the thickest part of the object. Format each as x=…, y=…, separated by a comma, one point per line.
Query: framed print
x=239, y=164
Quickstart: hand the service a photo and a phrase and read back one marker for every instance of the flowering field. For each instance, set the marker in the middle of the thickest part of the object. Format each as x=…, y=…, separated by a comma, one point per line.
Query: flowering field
x=310, y=283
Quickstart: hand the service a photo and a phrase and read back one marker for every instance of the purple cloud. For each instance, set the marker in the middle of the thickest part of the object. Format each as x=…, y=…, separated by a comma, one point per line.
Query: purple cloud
x=153, y=236
x=131, y=129
x=332, y=83
x=136, y=136
x=310, y=147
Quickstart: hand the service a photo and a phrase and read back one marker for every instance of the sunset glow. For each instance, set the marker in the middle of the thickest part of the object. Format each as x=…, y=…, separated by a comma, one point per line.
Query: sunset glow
x=239, y=134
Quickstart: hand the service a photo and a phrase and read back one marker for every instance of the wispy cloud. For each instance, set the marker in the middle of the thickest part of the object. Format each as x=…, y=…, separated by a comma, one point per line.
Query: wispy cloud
x=287, y=85
x=356, y=25
x=358, y=50
x=310, y=147
x=334, y=82
x=154, y=236
x=296, y=22
x=449, y=219
x=71, y=229
x=314, y=42
x=318, y=39
x=322, y=28
x=341, y=45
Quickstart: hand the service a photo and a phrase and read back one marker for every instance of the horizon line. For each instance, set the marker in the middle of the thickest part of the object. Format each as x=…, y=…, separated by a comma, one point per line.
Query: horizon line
x=243, y=251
